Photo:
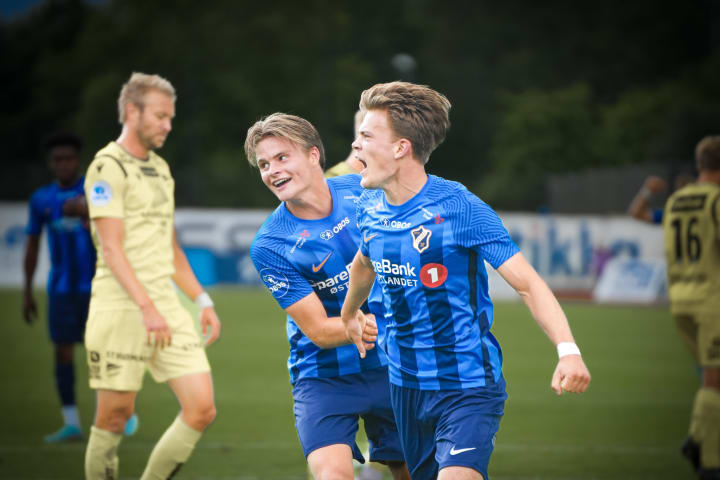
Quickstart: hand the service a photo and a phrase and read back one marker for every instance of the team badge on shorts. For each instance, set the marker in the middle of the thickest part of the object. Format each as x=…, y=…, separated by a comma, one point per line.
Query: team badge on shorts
x=421, y=238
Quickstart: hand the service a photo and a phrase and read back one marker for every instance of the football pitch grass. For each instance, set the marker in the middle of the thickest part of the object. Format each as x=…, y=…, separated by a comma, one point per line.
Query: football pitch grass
x=628, y=425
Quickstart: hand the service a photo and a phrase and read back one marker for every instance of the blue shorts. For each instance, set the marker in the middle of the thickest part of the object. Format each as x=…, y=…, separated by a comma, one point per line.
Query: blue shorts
x=67, y=314
x=443, y=428
x=327, y=411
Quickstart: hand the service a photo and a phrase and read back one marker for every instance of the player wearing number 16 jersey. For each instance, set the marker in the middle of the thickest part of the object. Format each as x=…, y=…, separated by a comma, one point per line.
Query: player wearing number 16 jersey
x=692, y=248
x=426, y=239
x=302, y=253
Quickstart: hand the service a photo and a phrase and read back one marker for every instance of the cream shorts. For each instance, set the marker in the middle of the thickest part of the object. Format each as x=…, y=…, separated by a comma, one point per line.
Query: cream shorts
x=118, y=352
x=701, y=332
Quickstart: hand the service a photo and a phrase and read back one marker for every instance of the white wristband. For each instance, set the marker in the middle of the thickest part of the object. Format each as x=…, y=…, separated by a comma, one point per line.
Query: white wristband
x=203, y=300
x=567, y=348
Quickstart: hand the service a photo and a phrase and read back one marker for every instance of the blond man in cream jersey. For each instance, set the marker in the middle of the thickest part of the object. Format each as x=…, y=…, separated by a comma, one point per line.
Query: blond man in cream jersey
x=135, y=320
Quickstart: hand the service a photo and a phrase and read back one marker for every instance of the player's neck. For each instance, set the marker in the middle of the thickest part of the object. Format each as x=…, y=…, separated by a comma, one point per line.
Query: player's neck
x=406, y=183
x=68, y=183
x=709, y=176
x=312, y=204
x=130, y=142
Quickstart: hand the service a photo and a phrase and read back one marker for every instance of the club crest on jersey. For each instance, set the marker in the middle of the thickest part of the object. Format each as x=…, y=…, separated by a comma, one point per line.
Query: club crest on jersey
x=421, y=238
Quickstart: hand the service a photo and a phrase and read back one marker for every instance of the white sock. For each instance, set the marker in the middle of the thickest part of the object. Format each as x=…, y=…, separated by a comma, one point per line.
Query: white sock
x=70, y=415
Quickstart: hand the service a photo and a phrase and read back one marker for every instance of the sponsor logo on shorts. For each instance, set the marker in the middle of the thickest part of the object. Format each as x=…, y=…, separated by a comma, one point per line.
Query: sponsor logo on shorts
x=276, y=282
x=100, y=193
x=112, y=369
x=127, y=356
x=454, y=451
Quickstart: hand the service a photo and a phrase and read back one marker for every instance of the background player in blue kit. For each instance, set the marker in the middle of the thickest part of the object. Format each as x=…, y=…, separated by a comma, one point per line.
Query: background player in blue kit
x=60, y=207
x=302, y=253
x=426, y=239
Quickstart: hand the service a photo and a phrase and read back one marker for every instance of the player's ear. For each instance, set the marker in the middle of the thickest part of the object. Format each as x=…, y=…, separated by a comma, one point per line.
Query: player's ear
x=314, y=154
x=402, y=148
x=131, y=110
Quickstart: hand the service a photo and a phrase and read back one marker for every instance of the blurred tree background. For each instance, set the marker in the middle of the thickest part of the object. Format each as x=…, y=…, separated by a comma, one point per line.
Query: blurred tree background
x=537, y=87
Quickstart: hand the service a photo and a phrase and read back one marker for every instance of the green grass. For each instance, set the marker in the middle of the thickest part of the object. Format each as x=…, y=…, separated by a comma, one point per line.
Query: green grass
x=629, y=424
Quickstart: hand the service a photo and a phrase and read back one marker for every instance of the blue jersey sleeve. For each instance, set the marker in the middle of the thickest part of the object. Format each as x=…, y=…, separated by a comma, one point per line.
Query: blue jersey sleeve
x=279, y=276
x=480, y=228
x=36, y=216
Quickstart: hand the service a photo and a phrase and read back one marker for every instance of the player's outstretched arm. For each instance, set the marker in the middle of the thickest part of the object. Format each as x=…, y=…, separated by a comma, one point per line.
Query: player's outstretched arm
x=362, y=277
x=32, y=247
x=639, y=208
x=571, y=374
x=186, y=281
x=111, y=232
x=327, y=332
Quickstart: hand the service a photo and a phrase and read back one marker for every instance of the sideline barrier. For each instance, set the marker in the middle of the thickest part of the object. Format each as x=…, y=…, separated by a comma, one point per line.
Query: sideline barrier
x=569, y=251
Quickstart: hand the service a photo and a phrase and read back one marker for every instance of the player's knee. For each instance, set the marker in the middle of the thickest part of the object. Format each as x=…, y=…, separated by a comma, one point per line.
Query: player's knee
x=113, y=419
x=201, y=416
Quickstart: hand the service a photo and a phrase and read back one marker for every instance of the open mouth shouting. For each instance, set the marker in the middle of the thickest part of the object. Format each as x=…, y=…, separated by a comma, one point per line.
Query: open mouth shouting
x=280, y=182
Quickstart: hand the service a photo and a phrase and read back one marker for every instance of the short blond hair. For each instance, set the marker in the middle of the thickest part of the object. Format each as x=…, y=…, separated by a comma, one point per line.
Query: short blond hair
x=137, y=87
x=707, y=153
x=282, y=125
x=415, y=112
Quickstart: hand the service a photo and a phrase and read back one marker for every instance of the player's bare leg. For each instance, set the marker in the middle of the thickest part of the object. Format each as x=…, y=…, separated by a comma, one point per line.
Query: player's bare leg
x=113, y=410
x=459, y=473
x=333, y=462
x=706, y=419
x=196, y=397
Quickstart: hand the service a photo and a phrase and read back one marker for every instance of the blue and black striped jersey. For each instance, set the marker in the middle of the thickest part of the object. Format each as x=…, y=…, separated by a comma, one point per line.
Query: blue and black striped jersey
x=429, y=255
x=72, y=255
x=296, y=257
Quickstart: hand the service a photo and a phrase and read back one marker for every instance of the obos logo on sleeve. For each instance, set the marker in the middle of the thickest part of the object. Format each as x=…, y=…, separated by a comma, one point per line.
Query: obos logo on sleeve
x=275, y=281
x=100, y=193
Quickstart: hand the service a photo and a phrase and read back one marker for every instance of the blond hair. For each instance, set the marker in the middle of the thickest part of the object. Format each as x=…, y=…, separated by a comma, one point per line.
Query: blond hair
x=415, y=112
x=137, y=87
x=282, y=125
x=707, y=153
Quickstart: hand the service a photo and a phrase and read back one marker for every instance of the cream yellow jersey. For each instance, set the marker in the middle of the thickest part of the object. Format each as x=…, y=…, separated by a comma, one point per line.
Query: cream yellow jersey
x=341, y=168
x=141, y=193
x=692, y=248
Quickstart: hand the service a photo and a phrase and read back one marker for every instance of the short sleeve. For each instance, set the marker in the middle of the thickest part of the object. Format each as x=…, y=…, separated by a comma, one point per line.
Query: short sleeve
x=36, y=216
x=480, y=228
x=283, y=280
x=105, y=185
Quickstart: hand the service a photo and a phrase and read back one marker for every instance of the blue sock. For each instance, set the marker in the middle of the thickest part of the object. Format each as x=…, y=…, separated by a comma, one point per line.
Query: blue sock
x=65, y=382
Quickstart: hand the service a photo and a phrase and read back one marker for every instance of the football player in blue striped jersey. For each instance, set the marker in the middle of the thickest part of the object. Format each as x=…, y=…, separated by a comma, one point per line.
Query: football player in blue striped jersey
x=425, y=241
x=302, y=253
